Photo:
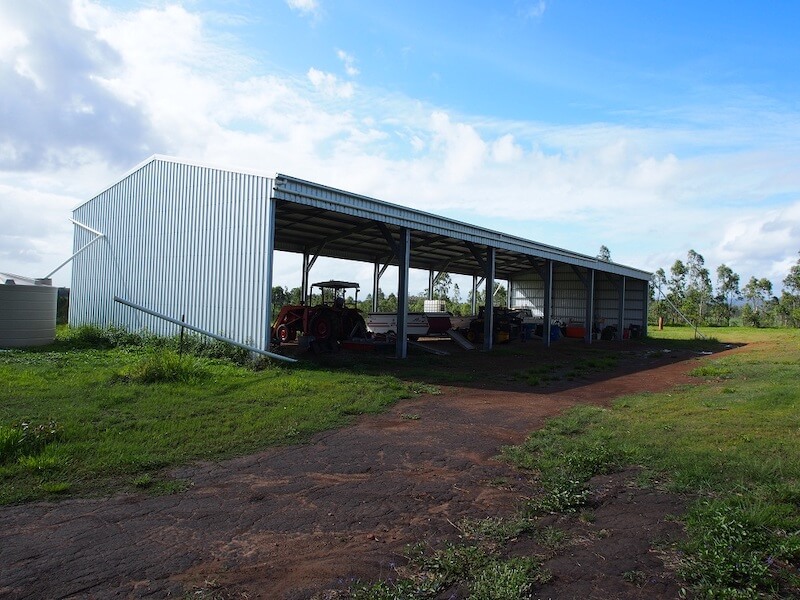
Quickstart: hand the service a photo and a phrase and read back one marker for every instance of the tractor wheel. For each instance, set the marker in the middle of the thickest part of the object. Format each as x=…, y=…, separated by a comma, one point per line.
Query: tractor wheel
x=321, y=326
x=285, y=334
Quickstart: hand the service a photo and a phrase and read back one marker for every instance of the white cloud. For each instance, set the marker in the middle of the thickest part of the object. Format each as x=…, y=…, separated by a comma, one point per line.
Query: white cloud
x=532, y=10
x=762, y=241
x=505, y=150
x=349, y=62
x=11, y=40
x=417, y=143
x=54, y=106
x=329, y=84
x=459, y=146
x=35, y=236
x=304, y=7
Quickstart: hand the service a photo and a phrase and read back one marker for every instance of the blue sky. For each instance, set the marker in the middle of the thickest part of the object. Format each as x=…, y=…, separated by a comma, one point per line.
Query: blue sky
x=649, y=127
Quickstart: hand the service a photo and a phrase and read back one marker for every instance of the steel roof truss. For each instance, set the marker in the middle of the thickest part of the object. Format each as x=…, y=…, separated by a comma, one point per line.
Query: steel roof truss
x=478, y=258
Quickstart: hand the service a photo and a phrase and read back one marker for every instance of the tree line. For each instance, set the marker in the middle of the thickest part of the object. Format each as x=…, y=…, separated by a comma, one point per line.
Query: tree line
x=687, y=291
x=444, y=289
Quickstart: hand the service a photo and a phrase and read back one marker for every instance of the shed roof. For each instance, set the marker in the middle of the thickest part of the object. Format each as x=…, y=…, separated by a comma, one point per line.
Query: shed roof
x=322, y=220
x=325, y=221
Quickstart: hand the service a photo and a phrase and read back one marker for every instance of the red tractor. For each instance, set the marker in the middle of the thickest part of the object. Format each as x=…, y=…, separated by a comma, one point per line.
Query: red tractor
x=328, y=322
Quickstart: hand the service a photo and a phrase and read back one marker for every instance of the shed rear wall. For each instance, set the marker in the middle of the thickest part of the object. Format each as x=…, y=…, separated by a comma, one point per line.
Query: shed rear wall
x=180, y=240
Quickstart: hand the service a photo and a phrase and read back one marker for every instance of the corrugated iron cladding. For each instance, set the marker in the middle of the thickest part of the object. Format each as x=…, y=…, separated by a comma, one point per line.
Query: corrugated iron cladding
x=569, y=297
x=319, y=196
x=180, y=239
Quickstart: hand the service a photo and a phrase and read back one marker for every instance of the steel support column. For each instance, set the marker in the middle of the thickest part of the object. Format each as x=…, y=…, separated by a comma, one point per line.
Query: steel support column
x=488, y=312
x=621, y=310
x=589, y=324
x=431, y=282
x=404, y=259
x=376, y=285
x=646, y=308
x=304, y=283
x=548, y=301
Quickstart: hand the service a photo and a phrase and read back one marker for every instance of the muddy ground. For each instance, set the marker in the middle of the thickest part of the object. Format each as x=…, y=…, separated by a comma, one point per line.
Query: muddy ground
x=305, y=521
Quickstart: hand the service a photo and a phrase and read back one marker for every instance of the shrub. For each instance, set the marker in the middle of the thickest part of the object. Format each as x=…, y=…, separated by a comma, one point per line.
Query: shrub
x=561, y=496
x=512, y=579
x=164, y=366
x=26, y=439
x=92, y=336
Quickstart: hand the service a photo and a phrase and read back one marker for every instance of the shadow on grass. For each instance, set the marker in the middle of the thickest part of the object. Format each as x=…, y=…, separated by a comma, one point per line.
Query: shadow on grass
x=519, y=366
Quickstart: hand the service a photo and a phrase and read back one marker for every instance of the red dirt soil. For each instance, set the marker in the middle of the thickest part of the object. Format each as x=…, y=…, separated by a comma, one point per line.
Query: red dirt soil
x=304, y=521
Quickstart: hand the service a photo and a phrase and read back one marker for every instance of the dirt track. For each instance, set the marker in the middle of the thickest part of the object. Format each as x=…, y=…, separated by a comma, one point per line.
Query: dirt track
x=291, y=522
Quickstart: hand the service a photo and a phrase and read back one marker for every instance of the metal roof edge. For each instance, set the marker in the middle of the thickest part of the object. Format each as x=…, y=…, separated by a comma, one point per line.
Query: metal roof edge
x=178, y=161
x=128, y=173
x=475, y=230
x=216, y=167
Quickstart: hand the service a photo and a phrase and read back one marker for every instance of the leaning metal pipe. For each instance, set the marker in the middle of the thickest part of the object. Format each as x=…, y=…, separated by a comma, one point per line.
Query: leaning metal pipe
x=204, y=332
x=683, y=316
x=63, y=264
x=90, y=230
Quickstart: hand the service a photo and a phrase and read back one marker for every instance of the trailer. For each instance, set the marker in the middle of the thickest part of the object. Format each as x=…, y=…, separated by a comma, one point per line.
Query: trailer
x=385, y=324
x=417, y=324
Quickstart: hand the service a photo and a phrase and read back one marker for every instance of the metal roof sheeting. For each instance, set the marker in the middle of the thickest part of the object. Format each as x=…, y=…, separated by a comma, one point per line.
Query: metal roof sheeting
x=346, y=223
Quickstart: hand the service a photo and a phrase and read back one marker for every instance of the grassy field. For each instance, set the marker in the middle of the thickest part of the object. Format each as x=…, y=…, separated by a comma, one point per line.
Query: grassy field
x=99, y=412
x=731, y=440
x=94, y=413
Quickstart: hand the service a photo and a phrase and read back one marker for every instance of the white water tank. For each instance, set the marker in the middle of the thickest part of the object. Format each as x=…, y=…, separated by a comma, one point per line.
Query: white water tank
x=435, y=306
x=27, y=311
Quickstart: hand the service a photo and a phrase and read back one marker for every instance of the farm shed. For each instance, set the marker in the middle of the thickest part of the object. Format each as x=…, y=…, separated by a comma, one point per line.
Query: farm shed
x=179, y=238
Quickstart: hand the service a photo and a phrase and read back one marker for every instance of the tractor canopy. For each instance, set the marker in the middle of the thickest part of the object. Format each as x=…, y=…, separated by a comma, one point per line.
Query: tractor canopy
x=337, y=290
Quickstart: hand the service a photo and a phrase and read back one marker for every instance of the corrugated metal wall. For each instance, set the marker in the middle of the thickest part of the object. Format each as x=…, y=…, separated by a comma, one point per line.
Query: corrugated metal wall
x=528, y=292
x=180, y=239
x=606, y=300
x=636, y=292
x=569, y=296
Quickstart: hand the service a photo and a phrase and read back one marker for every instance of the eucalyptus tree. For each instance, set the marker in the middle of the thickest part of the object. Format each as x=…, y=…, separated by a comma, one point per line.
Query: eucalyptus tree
x=728, y=290
x=698, y=287
x=757, y=292
x=790, y=298
x=658, y=305
x=676, y=285
x=792, y=281
x=442, y=285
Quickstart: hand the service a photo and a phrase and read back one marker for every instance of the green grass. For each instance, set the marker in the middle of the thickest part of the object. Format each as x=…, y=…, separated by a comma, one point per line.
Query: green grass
x=77, y=419
x=731, y=439
x=580, y=365
x=497, y=529
x=101, y=410
x=486, y=575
